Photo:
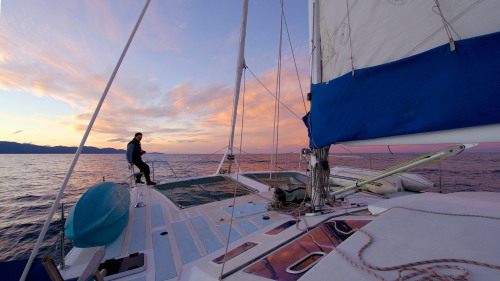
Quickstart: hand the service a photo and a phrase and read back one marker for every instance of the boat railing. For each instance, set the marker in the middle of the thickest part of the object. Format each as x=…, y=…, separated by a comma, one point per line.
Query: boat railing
x=163, y=167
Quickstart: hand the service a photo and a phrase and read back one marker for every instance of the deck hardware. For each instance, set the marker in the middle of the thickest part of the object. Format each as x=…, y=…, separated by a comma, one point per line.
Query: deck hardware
x=305, y=263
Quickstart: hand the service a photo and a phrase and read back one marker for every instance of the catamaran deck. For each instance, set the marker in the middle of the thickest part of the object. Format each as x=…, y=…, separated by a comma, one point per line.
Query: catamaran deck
x=189, y=243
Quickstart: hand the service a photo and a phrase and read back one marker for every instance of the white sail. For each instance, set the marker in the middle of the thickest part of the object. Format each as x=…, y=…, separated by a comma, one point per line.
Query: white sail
x=378, y=32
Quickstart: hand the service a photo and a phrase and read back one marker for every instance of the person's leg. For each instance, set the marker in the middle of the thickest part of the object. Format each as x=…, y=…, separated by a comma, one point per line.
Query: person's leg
x=138, y=178
x=144, y=169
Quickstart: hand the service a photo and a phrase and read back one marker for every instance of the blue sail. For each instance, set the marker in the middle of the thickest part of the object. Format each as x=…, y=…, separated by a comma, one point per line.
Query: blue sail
x=99, y=216
x=435, y=90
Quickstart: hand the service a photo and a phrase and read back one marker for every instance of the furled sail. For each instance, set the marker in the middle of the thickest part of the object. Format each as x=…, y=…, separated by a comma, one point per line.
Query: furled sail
x=405, y=72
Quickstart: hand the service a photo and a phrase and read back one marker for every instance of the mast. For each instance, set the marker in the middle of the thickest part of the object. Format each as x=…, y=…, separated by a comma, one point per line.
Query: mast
x=315, y=42
x=240, y=65
x=319, y=166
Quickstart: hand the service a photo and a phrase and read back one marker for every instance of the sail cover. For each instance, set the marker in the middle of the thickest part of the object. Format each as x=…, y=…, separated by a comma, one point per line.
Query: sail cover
x=387, y=68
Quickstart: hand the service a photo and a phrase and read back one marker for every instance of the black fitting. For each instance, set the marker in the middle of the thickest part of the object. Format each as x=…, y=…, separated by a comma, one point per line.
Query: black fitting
x=230, y=157
x=309, y=96
x=325, y=165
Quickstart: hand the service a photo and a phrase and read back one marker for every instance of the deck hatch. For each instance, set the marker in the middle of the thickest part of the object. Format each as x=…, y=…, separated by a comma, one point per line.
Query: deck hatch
x=235, y=252
x=247, y=209
x=281, y=227
x=303, y=264
x=275, y=265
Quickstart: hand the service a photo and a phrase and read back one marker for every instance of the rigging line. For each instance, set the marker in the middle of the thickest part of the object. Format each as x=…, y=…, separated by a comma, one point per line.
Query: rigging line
x=191, y=164
x=313, y=46
x=243, y=151
x=310, y=63
x=237, y=176
x=345, y=148
x=388, y=147
x=350, y=41
x=271, y=93
x=446, y=24
x=278, y=94
x=172, y=170
x=80, y=148
x=295, y=63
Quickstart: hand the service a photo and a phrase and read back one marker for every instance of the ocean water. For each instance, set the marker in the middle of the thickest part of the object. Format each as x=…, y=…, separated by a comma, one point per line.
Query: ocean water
x=29, y=183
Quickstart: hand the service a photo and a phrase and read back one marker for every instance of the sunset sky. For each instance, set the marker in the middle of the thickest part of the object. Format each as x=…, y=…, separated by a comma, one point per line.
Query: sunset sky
x=175, y=85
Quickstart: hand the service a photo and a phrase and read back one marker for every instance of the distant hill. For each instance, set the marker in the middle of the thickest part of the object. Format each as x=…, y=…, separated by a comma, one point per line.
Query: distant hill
x=7, y=147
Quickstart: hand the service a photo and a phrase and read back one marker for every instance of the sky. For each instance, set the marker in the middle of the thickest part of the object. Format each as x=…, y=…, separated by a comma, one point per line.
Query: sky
x=175, y=85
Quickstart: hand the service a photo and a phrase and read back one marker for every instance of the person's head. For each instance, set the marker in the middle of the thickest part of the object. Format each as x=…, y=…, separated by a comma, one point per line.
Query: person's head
x=138, y=136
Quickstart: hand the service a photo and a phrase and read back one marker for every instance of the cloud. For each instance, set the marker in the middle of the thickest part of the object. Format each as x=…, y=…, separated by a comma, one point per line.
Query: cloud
x=74, y=68
x=119, y=140
x=17, y=132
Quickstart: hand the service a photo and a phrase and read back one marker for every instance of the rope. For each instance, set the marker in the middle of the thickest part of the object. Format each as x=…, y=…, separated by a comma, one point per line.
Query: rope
x=350, y=41
x=319, y=178
x=292, y=209
x=446, y=24
x=390, y=151
x=408, y=267
x=313, y=46
x=205, y=190
x=80, y=148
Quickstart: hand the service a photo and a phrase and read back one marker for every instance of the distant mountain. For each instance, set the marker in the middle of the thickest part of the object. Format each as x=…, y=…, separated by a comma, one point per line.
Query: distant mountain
x=7, y=147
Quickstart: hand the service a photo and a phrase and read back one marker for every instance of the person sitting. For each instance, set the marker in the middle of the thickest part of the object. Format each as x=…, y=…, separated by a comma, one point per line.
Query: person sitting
x=134, y=157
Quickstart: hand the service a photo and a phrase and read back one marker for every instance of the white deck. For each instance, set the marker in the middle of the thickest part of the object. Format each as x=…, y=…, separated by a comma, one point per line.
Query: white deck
x=401, y=236
x=197, y=235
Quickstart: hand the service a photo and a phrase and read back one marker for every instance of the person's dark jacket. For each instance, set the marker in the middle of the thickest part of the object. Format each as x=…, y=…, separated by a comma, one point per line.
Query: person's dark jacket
x=134, y=151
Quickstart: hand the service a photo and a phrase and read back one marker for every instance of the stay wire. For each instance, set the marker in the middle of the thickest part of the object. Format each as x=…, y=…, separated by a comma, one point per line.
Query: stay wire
x=193, y=163
x=271, y=93
x=274, y=154
x=295, y=63
x=237, y=176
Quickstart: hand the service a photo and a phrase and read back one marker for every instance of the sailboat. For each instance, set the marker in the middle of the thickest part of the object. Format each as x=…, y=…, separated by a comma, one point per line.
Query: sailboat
x=383, y=73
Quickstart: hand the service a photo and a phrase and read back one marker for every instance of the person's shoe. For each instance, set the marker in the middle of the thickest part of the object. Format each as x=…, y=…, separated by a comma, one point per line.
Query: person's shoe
x=139, y=182
x=151, y=183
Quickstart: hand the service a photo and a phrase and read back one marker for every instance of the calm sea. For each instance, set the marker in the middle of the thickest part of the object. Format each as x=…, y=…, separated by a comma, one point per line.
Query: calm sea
x=29, y=183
